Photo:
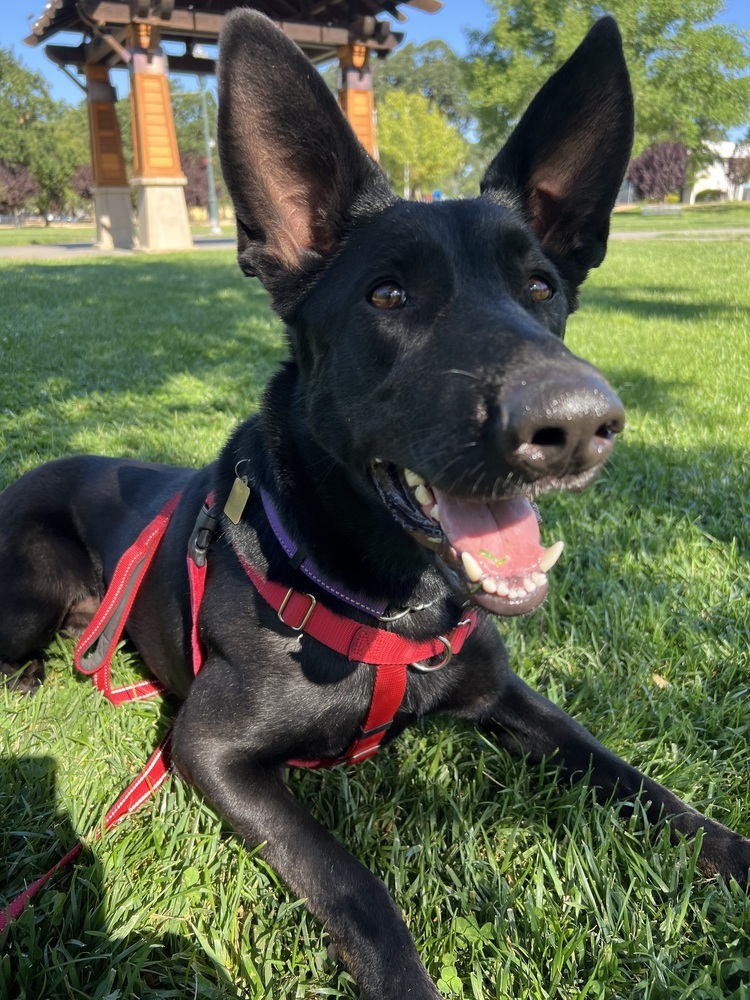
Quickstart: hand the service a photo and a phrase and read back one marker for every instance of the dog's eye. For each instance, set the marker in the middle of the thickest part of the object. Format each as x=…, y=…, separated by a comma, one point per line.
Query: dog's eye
x=540, y=289
x=387, y=295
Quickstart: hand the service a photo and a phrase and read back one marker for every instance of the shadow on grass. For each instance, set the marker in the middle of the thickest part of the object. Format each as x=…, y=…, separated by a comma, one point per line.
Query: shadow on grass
x=609, y=299
x=62, y=945
x=132, y=326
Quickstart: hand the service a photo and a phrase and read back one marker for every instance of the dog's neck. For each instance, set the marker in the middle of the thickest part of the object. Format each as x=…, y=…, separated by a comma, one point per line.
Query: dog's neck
x=334, y=513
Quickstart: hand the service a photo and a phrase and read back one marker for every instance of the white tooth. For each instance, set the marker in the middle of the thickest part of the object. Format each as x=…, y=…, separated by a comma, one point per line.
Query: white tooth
x=489, y=584
x=435, y=513
x=550, y=557
x=472, y=567
x=516, y=592
x=424, y=496
x=502, y=589
x=528, y=585
x=413, y=478
x=539, y=578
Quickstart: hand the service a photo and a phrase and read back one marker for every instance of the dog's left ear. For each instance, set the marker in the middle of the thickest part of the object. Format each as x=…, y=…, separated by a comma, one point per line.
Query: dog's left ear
x=291, y=162
x=567, y=156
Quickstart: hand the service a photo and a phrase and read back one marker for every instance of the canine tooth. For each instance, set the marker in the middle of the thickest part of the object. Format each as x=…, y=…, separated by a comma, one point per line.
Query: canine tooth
x=550, y=557
x=539, y=578
x=424, y=496
x=528, y=585
x=489, y=584
x=435, y=513
x=472, y=567
x=413, y=478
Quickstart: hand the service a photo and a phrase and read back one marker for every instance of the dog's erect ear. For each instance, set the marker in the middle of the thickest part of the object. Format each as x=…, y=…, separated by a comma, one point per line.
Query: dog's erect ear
x=291, y=162
x=568, y=154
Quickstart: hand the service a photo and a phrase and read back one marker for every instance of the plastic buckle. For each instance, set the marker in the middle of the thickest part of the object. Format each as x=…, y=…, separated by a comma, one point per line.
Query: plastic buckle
x=206, y=526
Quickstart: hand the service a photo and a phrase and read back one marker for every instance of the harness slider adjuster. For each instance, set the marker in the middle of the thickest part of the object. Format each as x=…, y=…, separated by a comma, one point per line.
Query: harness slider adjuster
x=306, y=619
x=364, y=733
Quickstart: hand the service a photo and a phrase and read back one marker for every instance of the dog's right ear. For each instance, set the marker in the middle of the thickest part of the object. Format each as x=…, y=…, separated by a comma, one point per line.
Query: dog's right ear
x=293, y=166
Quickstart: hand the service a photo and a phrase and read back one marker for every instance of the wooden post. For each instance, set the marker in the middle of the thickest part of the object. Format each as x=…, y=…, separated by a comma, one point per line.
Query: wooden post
x=112, y=207
x=355, y=94
x=159, y=182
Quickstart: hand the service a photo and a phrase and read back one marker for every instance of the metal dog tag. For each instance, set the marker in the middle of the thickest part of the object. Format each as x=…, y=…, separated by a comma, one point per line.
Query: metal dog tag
x=237, y=499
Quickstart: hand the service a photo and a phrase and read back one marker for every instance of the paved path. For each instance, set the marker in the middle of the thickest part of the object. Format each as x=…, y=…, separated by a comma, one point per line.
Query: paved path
x=75, y=251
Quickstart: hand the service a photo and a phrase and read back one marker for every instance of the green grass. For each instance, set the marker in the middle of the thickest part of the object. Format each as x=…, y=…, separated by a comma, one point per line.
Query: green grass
x=13, y=236
x=511, y=886
x=712, y=216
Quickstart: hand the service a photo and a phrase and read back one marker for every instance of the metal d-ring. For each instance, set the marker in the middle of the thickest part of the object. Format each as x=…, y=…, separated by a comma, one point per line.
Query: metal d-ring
x=426, y=668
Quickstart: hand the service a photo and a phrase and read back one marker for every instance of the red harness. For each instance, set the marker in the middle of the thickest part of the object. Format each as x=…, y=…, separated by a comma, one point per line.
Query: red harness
x=391, y=655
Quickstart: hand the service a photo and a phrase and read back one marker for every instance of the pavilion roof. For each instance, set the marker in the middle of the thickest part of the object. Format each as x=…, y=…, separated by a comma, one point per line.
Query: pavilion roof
x=318, y=26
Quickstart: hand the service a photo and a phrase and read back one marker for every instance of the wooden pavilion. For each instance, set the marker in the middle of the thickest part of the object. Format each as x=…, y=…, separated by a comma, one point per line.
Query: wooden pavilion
x=129, y=34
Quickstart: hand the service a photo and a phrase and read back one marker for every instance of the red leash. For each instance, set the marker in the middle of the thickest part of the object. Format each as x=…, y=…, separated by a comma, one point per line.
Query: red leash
x=391, y=654
x=93, y=655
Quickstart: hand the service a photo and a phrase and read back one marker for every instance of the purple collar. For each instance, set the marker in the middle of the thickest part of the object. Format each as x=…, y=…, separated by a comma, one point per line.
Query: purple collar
x=308, y=567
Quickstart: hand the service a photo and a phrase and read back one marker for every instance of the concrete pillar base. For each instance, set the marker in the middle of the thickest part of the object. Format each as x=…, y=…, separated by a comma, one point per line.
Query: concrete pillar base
x=163, y=222
x=114, y=218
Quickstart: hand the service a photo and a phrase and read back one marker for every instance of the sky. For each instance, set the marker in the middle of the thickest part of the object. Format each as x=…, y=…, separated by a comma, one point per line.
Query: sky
x=449, y=24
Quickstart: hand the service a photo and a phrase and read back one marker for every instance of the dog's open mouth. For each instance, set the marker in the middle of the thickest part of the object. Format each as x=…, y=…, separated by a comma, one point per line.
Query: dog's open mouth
x=490, y=547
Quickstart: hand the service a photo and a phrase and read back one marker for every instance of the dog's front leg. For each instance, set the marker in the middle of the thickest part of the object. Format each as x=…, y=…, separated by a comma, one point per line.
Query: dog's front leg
x=526, y=723
x=352, y=904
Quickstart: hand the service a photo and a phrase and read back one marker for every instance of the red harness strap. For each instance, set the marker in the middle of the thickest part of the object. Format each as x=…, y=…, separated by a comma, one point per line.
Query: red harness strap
x=95, y=648
x=391, y=654
x=139, y=791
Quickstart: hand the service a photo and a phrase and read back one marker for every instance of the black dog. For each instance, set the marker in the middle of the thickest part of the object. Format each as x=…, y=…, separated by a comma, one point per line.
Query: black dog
x=390, y=473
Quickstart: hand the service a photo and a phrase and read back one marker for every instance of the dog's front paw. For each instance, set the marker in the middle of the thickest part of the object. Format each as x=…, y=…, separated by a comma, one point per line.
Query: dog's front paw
x=25, y=679
x=725, y=853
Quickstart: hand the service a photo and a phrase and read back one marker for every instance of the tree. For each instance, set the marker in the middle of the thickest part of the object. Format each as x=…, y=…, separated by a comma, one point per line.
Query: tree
x=24, y=103
x=738, y=165
x=419, y=148
x=659, y=171
x=57, y=147
x=187, y=109
x=46, y=136
x=196, y=172
x=433, y=70
x=690, y=75
x=17, y=188
x=82, y=182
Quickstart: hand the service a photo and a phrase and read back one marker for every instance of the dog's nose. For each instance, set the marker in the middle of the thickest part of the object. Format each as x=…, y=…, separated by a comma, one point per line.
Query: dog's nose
x=561, y=425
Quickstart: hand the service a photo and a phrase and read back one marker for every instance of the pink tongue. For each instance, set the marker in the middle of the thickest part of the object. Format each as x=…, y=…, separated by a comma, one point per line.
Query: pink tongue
x=503, y=536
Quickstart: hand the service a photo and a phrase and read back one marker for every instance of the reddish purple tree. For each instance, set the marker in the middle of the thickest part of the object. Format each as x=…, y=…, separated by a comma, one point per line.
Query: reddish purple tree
x=83, y=181
x=738, y=166
x=196, y=189
x=17, y=187
x=659, y=171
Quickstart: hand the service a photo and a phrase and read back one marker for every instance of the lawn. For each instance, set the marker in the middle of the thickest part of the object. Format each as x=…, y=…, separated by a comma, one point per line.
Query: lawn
x=712, y=216
x=511, y=886
x=13, y=236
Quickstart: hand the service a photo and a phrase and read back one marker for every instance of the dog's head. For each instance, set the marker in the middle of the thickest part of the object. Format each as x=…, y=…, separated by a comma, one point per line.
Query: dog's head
x=428, y=338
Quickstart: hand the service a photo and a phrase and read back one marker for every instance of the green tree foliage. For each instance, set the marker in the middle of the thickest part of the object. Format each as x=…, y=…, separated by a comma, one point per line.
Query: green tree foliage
x=25, y=103
x=187, y=109
x=419, y=148
x=433, y=70
x=48, y=137
x=691, y=76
